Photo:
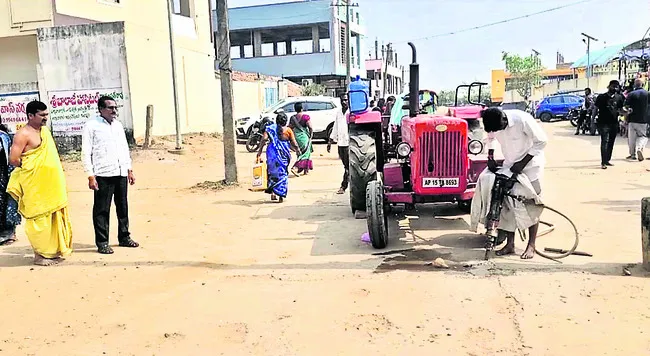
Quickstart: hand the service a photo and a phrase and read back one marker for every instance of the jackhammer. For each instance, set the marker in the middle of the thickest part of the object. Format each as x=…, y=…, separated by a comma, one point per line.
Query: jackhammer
x=500, y=190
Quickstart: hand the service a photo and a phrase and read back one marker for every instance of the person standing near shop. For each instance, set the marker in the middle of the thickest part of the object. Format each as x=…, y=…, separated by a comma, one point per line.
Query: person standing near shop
x=636, y=106
x=107, y=162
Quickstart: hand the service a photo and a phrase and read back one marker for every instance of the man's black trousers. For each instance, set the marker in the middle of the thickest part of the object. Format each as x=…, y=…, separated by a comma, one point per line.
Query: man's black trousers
x=344, y=155
x=111, y=188
x=607, y=137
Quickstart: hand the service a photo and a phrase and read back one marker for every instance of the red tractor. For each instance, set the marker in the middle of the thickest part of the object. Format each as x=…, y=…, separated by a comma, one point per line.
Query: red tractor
x=437, y=159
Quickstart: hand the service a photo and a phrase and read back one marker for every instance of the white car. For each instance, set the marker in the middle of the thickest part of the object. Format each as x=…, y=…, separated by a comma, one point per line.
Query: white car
x=322, y=111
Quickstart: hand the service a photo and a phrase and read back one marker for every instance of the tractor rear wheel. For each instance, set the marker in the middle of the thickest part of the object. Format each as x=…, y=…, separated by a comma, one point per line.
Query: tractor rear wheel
x=363, y=167
x=377, y=215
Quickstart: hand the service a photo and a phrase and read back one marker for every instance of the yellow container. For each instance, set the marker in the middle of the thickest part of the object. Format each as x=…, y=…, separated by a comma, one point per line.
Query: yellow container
x=259, y=180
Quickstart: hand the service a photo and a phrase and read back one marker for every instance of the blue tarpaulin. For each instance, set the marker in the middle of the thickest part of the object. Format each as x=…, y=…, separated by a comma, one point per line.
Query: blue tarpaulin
x=601, y=56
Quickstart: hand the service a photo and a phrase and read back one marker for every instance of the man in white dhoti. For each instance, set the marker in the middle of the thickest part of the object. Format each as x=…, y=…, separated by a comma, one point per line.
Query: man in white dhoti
x=522, y=142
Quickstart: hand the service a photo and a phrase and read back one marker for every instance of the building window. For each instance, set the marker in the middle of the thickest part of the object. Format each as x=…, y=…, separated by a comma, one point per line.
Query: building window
x=343, y=45
x=181, y=7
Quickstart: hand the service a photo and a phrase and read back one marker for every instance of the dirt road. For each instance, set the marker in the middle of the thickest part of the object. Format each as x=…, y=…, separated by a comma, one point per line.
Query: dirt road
x=229, y=273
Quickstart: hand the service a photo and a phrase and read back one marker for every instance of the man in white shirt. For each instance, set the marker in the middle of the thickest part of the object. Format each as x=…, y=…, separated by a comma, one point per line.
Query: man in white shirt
x=107, y=161
x=342, y=138
x=522, y=142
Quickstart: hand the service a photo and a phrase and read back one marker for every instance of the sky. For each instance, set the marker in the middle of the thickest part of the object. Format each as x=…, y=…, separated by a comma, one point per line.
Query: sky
x=449, y=60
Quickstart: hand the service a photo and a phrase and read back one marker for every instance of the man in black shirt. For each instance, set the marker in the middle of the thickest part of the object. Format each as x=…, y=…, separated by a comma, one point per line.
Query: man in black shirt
x=608, y=105
x=636, y=105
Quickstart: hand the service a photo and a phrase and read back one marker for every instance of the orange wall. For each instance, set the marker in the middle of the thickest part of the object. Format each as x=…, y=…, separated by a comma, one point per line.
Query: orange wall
x=498, y=84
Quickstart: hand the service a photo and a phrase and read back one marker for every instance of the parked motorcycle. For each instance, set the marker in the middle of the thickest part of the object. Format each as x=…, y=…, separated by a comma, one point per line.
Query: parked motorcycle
x=574, y=116
x=588, y=125
x=257, y=132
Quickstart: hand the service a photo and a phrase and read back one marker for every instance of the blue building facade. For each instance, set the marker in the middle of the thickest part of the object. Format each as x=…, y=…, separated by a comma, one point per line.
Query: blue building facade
x=303, y=41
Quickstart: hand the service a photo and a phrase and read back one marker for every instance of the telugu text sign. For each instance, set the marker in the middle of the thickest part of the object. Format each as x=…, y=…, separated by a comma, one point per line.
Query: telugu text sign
x=69, y=110
x=12, y=109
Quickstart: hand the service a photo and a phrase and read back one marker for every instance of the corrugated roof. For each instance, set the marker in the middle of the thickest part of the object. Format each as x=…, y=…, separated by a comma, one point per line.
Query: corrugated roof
x=600, y=56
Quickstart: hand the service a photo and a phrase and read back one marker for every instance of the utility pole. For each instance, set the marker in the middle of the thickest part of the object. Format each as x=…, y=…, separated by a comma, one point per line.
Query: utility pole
x=225, y=75
x=538, y=64
x=588, y=40
x=348, y=70
x=179, y=139
x=389, y=53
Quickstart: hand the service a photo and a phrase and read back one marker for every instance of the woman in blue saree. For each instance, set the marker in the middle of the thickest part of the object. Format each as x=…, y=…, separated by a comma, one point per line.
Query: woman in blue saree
x=278, y=155
x=9, y=216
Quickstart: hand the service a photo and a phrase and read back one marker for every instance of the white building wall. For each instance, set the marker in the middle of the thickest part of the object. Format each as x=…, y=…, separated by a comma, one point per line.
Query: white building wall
x=18, y=59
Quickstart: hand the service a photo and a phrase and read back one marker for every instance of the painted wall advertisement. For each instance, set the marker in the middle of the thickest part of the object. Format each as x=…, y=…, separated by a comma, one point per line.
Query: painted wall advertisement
x=70, y=109
x=12, y=109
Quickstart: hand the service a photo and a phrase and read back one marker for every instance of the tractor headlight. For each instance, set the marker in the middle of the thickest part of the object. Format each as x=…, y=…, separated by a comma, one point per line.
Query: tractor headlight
x=475, y=147
x=403, y=149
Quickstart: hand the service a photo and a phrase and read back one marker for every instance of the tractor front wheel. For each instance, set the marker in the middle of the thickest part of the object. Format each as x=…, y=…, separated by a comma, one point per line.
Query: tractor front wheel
x=377, y=215
x=465, y=206
x=363, y=167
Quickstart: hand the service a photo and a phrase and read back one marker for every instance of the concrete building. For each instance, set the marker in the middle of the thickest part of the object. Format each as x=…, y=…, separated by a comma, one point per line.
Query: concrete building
x=303, y=41
x=67, y=52
x=385, y=74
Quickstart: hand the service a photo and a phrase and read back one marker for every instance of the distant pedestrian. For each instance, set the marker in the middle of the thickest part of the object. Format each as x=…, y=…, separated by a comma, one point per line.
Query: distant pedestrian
x=380, y=106
x=636, y=106
x=278, y=155
x=107, y=162
x=390, y=102
x=341, y=137
x=608, y=106
x=301, y=125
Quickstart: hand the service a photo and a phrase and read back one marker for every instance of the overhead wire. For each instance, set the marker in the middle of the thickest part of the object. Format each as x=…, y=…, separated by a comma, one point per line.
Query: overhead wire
x=468, y=29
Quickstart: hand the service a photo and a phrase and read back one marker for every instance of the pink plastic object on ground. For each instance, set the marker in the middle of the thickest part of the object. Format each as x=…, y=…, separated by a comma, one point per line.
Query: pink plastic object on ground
x=365, y=237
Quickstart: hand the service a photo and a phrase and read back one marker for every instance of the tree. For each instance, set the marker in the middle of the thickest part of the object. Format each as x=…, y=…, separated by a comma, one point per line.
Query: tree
x=313, y=89
x=525, y=72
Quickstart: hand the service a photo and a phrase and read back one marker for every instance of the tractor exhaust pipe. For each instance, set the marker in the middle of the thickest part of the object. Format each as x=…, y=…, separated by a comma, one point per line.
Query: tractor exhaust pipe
x=414, y=84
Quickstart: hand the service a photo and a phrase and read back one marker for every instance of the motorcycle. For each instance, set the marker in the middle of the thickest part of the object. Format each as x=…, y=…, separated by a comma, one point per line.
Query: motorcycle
x=574, y=116
x=588, y=125
x=257, y=132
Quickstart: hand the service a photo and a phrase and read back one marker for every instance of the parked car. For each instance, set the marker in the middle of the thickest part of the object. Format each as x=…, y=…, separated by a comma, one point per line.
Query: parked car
x=557, y=106
x=322, y=111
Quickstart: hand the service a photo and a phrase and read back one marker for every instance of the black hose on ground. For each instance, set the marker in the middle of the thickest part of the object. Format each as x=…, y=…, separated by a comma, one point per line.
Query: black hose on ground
x=551, y=229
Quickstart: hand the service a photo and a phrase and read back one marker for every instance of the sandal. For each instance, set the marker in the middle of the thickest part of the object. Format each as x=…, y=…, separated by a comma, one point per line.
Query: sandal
x=105, y=250
x=129, y=243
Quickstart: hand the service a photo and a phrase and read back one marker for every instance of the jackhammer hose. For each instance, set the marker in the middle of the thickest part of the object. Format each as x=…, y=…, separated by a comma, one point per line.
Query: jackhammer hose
x=551, y=228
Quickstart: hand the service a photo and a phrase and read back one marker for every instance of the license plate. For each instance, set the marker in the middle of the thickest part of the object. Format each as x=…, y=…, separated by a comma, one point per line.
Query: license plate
x=440, y=182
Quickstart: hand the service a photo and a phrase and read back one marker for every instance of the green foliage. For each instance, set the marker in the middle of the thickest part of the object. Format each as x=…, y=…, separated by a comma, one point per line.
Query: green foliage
x=525, y=72
x=313, y=89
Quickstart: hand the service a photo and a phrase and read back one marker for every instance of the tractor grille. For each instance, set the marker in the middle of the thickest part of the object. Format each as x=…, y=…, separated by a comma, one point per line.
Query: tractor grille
x=443, y=152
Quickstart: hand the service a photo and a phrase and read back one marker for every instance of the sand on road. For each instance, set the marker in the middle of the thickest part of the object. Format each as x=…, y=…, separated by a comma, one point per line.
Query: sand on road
x=230, y=273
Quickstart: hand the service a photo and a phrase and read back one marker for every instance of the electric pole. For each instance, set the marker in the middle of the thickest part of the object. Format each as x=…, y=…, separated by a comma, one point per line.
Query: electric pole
x=225, y=75
x=348, y=71
x=179, y=139
x=588, y=40
x=388, y=55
